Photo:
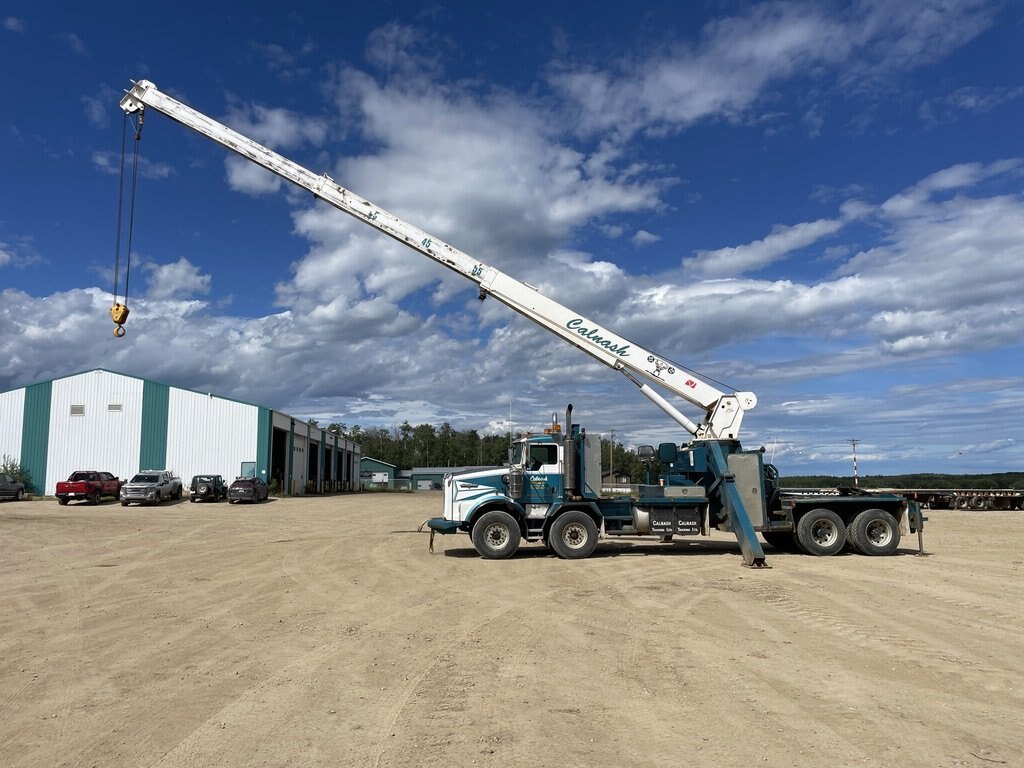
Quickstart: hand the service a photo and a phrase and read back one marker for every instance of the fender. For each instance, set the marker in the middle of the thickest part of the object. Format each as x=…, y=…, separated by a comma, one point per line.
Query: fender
x=505, y=502
x=562, y=506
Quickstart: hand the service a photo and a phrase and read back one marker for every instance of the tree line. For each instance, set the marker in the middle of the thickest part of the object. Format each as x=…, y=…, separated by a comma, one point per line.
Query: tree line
x=425, y=445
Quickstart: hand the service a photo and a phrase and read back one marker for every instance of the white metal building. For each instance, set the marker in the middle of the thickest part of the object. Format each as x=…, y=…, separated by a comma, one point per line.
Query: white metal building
x=112, y=422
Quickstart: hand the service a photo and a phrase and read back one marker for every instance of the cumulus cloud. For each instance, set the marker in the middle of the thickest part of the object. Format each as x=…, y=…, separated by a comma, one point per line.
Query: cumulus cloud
x=736, y=260
x=74, y=43
x=642, y=237
x=736, y=60
x=110, y=163
x=365, y=326
x=966, y=100
x=180, y=279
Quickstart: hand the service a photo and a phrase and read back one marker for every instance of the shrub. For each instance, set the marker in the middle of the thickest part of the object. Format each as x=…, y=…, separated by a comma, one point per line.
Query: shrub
x=11, y=466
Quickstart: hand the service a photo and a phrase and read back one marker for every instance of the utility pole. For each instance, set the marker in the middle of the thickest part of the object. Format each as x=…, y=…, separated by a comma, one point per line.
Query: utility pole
x=611, y=447
x=854, y=442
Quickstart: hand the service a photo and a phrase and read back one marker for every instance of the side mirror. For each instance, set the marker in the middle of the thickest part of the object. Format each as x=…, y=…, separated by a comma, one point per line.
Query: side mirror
x=667, y=453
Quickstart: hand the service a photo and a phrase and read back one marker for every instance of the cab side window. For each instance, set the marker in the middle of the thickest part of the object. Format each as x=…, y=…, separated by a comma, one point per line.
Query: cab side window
x=542, y=454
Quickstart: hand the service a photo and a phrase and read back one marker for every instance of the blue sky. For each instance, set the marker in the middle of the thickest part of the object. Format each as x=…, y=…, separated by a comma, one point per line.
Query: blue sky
x=822, y=203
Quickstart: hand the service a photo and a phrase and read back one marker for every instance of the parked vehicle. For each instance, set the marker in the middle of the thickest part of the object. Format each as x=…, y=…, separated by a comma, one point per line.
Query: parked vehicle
x=207, y=487
x=248, y=489
x=88, y=485
x=151, y=486
x=11, y=489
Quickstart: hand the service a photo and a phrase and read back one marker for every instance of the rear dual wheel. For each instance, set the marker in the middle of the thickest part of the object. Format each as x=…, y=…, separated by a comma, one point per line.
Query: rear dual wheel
x=874, y=532
x=821, y=533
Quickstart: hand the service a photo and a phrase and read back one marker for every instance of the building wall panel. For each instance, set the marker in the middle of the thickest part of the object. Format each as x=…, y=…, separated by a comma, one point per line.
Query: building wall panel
x=12, y=410
x=153, y=439
x=101, y=432
x=206, y=433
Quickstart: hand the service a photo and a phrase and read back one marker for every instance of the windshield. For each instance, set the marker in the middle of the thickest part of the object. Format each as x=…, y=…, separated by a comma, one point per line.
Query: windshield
x=144, y=479
x=517, y=453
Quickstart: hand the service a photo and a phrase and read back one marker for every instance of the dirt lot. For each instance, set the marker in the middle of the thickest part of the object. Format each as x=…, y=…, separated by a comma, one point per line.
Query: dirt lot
x=321, y=632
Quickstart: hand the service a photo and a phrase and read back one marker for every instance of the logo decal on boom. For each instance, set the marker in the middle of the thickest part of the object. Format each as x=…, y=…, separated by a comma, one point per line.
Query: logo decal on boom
x=594, y=336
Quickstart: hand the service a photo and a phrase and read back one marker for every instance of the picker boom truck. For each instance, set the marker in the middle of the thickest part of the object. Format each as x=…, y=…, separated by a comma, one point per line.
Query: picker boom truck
x=552, y=490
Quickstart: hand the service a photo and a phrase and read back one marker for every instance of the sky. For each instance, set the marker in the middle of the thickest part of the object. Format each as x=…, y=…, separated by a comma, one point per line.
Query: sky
x=818, y=202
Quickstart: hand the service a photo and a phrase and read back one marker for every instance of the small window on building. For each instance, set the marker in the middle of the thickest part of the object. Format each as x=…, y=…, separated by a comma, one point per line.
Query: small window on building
x=78, y=410
x=114, y=407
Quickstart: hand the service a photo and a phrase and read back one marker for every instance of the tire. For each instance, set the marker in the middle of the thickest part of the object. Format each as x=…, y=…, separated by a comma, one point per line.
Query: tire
x=496, y=535
x=94, y=499
x=784, y=541
x=124, y=503
x=192, y=499
x=19, y=495
x=573, y=535
x=177, y=494
x=874, y=532
x=62, y=500
x=821, y=533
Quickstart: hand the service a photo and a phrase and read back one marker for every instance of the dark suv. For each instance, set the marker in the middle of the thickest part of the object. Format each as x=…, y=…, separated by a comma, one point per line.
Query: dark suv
x=248, y=489
x=207, y=487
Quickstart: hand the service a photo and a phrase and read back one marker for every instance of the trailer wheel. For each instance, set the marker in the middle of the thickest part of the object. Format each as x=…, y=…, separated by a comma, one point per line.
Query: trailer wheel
x=821, y=533
x=573, y=535
x=496, y=535
x=874, y=532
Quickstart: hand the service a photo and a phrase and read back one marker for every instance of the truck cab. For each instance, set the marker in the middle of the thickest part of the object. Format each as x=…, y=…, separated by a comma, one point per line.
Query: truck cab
x=551, y=491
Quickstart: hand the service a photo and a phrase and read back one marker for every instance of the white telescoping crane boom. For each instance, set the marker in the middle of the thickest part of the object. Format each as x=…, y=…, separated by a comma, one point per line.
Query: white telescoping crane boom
x=723, y=412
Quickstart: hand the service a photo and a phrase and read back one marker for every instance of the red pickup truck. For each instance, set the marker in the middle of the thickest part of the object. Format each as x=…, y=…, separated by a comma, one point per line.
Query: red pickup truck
x=88, y=485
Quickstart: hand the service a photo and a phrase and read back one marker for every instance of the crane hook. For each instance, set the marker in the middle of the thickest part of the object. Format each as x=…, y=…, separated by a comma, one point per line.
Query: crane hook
x=119, y=314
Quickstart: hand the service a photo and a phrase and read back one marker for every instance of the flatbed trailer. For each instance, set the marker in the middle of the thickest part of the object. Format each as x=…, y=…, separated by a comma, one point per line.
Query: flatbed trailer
x=965, y=498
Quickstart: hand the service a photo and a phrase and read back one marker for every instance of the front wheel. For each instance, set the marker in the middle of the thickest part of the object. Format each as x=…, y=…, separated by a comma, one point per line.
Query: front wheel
x=573, y=535
x=19, y=495
x=821, y=533
x=874, y=532
x=496, y=535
